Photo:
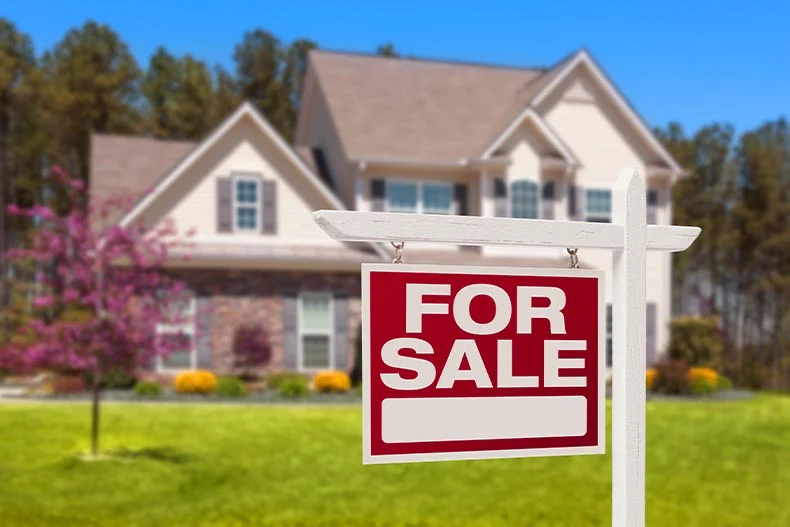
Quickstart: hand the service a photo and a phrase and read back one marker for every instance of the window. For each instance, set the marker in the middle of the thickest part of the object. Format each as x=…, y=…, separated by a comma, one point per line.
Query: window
x=598, y=205
x=609, y=335
x=246, y=203
x=652, y=197
x=524, y=199
x=315, y=331
x=181, y=337
x=420, y=197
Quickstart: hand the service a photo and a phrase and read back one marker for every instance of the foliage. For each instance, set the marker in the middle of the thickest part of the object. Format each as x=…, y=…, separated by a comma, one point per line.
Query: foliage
x=68, y=384
x=724, y=383
x=672, y=377
x=697, y=341
x=117, y=378
x=702, y=387
x=293, y=387
x=147, y=389
x=230, y=387
x=356, y=370
x=708, y=375
x=251, y=348
x=738, y=448
x=650, y=378
x=331, y=381
x=275, y=379
x=195, y=382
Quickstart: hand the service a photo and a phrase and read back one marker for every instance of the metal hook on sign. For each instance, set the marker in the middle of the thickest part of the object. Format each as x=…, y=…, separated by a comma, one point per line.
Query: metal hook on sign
x=574, y=258
x=398, y=252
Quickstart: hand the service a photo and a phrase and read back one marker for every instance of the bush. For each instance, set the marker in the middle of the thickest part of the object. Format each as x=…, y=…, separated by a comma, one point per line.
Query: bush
x=672, y=377
x=68, y=384
x=251, y=348
x=115, y=379
x=147, y=389
x=331, y=381
x=704, y=374
x=356, y=371
x=230, y=387
x=650, y=378
x=702, y=386
x=697, y=341
x=197, y=381
x=275, y=380
x=724, y=383
x=293, y=388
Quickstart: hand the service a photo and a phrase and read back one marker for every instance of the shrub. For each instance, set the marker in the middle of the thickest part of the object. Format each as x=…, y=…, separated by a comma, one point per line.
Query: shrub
x=650, y=378
x=293, y=388
x=704, y=374
x=331, y=381
x=275, y=380
x=230, y=387
x=356, y=371
x=147, y=389
x=115, y=379
x=251, y=348
x=197, y=381
x=700, y=386
x=697, y=341
x=672, y=377
x=724, y=383
x=68, y=384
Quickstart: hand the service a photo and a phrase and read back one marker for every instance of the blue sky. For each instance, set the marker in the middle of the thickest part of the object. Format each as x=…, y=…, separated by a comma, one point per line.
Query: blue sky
x=691, y=61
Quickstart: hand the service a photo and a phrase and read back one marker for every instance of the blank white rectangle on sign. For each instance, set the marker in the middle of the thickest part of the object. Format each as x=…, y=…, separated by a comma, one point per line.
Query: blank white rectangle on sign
x=470, y=418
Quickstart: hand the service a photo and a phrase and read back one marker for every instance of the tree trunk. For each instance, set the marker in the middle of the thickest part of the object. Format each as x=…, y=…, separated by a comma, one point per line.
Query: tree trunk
x=96, y=391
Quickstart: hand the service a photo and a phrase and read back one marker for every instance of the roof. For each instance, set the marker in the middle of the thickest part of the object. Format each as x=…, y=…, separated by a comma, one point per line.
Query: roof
x=434, y=111
x=131, y=165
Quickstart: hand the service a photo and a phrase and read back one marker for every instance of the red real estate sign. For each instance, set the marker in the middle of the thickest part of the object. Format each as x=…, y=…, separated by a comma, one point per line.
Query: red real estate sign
x=481, y=362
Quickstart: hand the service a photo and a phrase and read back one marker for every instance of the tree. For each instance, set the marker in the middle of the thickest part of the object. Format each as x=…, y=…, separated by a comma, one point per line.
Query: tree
x=226, y=95
x=92, y=86
x=104, y=294
x=158, y=86
x=387, y=50
x=251, y=349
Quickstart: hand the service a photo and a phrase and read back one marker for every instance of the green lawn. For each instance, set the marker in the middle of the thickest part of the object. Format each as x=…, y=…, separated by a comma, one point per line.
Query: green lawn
x=708, y=464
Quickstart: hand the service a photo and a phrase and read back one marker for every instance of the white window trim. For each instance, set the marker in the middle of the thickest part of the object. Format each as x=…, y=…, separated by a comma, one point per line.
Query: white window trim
x=597, y=215
x=256, y=205
x=510, y=183
x=329, y=332
x=185, y=327
x=420, y=208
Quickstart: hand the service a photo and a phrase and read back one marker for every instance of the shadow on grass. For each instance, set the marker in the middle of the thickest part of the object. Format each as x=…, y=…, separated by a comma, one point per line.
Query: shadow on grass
x=165, y=454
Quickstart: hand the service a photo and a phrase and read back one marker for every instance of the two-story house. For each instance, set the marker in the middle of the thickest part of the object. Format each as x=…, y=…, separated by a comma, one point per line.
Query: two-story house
x=383, y=134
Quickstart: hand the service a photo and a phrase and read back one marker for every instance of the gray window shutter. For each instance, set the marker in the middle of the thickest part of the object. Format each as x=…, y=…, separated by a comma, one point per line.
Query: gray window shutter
x=203, y=332
x=652, y=206
x=268, y=207
x=290, y=331
x=500, y=198
x=576, y=195
x=378, y=195
x=460, y=199
x=224, y=205
x=547, y=200
x=651, y=315
x=340, y=337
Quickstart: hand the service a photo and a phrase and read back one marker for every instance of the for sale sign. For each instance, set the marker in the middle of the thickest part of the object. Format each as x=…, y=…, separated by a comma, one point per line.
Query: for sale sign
x=481, y=362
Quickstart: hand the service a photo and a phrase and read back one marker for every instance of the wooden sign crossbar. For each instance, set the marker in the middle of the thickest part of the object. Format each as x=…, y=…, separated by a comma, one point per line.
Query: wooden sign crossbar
x=628, y=236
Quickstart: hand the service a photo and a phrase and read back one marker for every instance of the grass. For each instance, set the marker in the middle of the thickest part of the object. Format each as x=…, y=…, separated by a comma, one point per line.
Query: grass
x=708, y=464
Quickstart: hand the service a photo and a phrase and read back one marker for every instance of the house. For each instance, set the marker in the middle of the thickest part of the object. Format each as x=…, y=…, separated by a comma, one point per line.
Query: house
x=383, y=134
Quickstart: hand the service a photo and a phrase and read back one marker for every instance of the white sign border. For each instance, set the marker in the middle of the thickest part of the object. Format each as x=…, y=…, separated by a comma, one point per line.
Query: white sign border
x=599, y=448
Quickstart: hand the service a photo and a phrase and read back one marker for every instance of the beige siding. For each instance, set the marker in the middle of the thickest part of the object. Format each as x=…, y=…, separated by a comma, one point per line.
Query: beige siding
x=604, y=144
x=191, y=201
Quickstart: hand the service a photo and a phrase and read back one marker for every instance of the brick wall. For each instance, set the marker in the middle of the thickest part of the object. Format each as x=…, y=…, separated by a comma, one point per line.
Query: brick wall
x=255, y=297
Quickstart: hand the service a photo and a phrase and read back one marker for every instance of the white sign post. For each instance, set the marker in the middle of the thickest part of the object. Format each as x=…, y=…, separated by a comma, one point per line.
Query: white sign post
x=628, y=236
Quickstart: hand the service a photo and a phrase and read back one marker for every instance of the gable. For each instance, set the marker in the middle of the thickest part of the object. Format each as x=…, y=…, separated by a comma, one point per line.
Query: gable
x=190, y=200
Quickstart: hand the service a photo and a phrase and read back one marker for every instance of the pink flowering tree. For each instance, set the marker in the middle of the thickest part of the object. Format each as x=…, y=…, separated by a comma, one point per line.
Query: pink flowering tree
x=113, y=276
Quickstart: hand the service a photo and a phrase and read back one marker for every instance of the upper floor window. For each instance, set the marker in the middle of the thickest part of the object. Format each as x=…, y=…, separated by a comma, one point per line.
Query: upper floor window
x=419, y=196
x=524, y=199
x=247, y=203
x=598, y=205
x=315, y=331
